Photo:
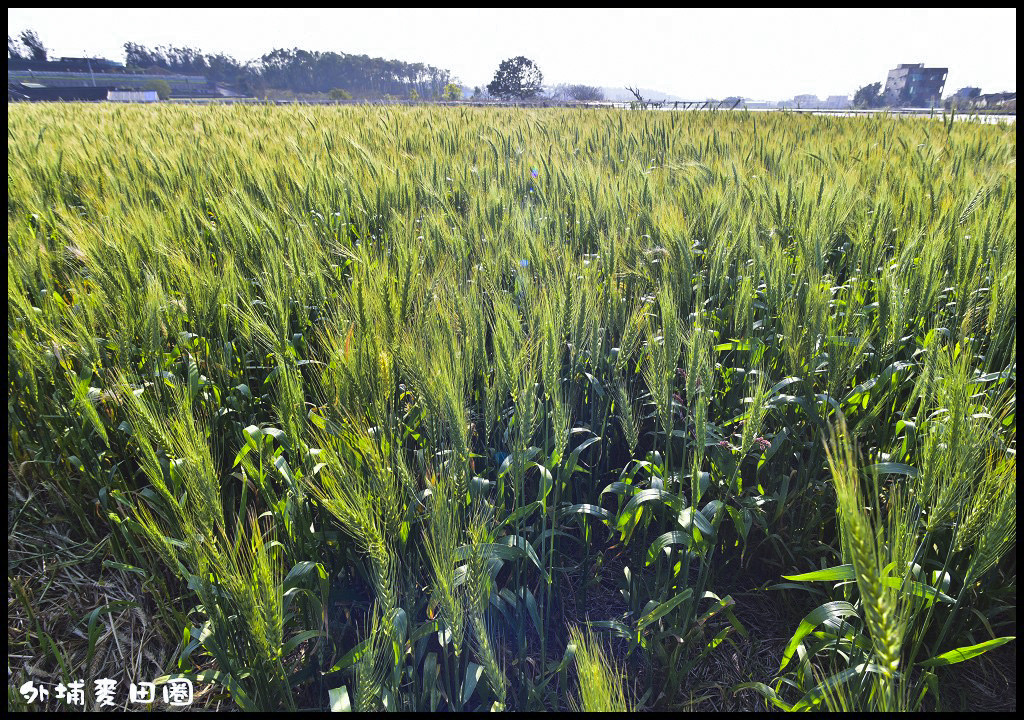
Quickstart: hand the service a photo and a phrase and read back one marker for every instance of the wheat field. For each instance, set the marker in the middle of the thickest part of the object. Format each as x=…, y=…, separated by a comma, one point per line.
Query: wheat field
x=461, y=409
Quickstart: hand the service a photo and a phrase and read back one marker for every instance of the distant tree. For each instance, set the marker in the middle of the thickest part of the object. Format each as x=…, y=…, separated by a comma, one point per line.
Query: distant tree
x=413, y=95
x=452, y=92
x=640, y=102
x=138, y=56
x=225, y=69
x=585, y=93
x=477, y=92
x=869, y=96
x=339, y=94
x=516, y=77
x=163, y=90
x=14, y=50
x=34, y=46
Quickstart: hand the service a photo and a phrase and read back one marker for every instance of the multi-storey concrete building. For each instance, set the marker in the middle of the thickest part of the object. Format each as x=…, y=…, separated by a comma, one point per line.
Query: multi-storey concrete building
x=915, y=85
x=965, y=96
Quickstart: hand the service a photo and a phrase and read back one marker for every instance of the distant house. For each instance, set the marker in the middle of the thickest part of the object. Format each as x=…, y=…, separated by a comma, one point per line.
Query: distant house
x=38, y=93
x=915, y=85
x=34, y=92
x=967, y=93
x=963, y=98
x=806, y=101
x=838, y=102
x=1003, y=102
x=132, y=96
x=224, y=91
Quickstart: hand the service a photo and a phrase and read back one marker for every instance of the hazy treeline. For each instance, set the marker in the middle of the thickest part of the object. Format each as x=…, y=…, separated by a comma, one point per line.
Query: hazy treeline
x=297, y=70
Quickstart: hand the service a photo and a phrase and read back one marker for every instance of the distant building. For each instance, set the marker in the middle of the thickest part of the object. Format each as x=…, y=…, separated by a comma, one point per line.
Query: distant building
x=915, y=85
x=806, y=101
x=39, y=93
x=965, y=95
x=224, y=91
x=181, y=85
x=968, y=92
x=1003, y=102
x=34, y=92
x=838, y=102
x=102, y=73
x=132, y=96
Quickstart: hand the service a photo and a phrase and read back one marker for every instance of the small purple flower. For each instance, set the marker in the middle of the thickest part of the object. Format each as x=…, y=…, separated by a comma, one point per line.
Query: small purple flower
x=724, y=444
x=762, y=443
x=682, y=404
x=534, y=173
x=524, y=263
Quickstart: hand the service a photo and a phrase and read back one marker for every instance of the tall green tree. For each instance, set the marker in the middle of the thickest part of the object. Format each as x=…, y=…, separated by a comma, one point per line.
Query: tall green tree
x=517, y=77
x=869, y=96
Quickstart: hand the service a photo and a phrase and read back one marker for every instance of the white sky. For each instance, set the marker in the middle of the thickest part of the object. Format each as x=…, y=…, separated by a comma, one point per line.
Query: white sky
x=762, y=54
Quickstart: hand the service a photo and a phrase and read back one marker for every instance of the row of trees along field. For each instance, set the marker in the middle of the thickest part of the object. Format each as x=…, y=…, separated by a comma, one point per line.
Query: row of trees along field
x=298, y=70
x=341, y=74
x=312, y=72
